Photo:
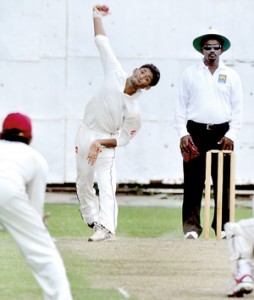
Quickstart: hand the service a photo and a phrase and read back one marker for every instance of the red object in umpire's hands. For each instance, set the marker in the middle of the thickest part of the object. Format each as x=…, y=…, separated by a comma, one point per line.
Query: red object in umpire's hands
x=193, y=153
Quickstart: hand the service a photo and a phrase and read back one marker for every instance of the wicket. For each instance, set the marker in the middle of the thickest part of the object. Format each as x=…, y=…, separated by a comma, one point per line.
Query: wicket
x=220, y=155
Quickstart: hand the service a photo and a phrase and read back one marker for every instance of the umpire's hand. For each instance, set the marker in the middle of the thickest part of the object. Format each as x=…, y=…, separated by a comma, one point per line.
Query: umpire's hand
x=227, y=144
x=185, y=140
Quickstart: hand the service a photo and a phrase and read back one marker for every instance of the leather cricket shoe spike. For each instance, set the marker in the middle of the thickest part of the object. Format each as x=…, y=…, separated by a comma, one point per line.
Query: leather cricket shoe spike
x=241, y=286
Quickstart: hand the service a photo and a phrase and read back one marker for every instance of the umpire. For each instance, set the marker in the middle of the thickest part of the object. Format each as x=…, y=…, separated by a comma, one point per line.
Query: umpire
x=208, y=115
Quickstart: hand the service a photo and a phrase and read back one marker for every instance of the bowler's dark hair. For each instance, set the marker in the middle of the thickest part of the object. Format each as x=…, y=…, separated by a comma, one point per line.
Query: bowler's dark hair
x=155, y=71
x=14, y=135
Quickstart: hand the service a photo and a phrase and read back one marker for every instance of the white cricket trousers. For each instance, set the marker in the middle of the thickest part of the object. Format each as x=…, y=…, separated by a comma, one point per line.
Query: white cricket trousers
x=27, y=229
x=240, y=236
x=104, y=209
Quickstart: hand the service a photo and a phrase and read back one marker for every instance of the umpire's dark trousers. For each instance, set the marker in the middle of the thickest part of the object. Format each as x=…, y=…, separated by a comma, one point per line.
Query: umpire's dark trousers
x=205, y=137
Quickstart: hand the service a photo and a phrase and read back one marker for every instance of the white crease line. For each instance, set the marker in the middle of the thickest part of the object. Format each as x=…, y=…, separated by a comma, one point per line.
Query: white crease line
x=123, y=292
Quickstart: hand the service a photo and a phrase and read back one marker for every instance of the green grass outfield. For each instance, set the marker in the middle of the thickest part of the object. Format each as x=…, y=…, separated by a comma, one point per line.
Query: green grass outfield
x=16, y=281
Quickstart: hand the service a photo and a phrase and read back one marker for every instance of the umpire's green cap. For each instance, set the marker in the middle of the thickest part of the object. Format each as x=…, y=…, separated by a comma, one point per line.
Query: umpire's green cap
x=198, y=42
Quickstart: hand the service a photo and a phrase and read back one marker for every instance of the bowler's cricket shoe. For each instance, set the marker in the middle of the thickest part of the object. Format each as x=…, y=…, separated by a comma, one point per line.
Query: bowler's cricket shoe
x=241, y=286
x=101, y=234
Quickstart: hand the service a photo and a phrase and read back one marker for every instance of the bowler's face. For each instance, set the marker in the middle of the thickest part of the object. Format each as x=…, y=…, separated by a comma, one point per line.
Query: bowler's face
x=141, y=78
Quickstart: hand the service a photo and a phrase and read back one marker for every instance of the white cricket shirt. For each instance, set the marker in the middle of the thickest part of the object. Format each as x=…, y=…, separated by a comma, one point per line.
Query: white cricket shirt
x=111, y=110
x=26, y=168
x=210, y=99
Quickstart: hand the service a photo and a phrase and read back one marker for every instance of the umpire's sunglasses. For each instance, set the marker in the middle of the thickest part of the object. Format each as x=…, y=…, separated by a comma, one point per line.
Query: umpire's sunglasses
x=210, y=47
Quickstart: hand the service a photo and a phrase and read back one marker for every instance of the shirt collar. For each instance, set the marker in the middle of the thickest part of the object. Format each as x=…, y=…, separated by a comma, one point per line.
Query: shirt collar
x=202, y=65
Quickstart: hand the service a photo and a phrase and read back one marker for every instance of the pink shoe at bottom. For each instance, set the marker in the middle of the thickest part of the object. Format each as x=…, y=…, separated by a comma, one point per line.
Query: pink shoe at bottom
x=241, y=286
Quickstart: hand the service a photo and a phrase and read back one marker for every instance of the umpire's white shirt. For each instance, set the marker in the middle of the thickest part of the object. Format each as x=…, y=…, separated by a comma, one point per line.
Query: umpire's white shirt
x=27, y=169
x=210, y=99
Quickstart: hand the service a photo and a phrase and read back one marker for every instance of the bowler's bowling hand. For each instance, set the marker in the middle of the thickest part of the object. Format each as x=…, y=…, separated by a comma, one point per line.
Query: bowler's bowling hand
x=100, y=11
